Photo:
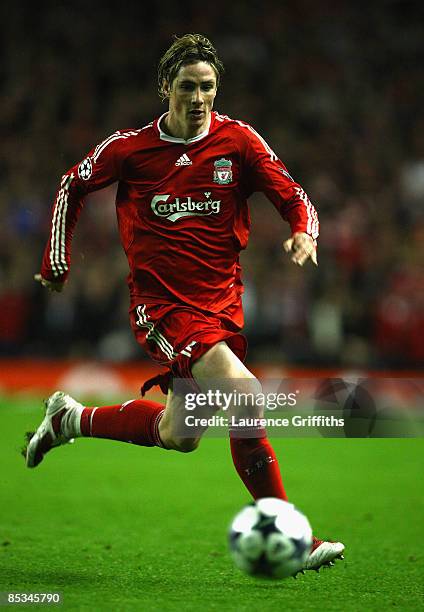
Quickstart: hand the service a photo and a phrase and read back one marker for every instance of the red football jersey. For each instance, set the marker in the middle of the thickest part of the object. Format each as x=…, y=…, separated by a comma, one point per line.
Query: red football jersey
x=182, y=208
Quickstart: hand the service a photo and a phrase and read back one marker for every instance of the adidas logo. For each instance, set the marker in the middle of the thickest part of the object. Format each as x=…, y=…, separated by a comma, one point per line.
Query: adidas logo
x=184, y=160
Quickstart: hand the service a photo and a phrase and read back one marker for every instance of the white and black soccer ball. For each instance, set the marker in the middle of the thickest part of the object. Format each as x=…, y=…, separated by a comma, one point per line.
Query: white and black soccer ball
x=271, y=538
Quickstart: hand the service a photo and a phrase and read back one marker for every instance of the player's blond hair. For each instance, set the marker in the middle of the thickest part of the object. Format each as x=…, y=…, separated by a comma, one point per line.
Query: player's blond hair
x=187, y=49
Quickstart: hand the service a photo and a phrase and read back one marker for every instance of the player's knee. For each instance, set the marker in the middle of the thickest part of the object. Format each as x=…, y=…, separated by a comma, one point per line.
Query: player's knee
x=186, y=445
x=182, y=445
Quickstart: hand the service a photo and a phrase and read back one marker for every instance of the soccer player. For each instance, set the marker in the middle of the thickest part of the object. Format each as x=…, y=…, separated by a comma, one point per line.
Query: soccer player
x=183, y=184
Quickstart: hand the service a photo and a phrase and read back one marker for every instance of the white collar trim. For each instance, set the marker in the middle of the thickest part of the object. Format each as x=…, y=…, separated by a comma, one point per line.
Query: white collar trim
x=168, y=138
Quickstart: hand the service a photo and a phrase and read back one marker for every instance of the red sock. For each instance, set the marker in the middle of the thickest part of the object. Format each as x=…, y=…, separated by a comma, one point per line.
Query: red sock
x=136, y=421
x=257, y=466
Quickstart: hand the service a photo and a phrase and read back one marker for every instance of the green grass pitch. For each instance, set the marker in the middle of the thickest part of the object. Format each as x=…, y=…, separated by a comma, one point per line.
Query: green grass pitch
x=118, y=527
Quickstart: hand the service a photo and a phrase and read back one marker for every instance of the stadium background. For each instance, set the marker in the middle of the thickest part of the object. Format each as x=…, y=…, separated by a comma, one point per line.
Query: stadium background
x=337, y=88
x=337, y=93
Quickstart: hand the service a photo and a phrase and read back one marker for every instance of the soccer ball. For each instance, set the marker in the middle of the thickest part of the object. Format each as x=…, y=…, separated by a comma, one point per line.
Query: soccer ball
x=271, y=538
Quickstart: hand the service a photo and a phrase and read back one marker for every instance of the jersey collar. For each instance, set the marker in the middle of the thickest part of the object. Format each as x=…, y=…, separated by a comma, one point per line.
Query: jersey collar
x=168, y=138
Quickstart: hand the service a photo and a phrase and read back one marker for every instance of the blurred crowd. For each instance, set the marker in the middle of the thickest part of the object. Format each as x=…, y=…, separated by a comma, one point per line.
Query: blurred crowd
x=338, y=92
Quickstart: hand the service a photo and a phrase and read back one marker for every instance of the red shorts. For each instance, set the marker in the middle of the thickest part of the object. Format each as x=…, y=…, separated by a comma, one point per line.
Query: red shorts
x=175, y=336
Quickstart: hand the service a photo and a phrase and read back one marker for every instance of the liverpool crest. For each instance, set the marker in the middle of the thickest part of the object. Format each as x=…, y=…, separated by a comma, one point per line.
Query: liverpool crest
x=223, y=173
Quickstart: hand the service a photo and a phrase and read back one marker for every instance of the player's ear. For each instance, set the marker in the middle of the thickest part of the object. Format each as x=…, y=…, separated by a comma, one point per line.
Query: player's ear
x=166, y=88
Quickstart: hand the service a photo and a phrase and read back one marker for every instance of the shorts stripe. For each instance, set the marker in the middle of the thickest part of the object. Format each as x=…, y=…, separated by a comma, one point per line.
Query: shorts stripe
x=154, y=334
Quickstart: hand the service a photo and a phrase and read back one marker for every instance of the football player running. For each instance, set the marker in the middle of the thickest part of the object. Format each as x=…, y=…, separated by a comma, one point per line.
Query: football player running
x=183, y=184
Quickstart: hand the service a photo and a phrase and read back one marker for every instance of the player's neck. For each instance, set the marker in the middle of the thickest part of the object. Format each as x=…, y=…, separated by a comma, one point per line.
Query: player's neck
x=177, y=129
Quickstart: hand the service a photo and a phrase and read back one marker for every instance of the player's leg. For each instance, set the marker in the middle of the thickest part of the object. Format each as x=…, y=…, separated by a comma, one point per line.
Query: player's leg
x=135, y=421
x=209, y=366
x=253, y=455
x=172, y=430
x=216, y=363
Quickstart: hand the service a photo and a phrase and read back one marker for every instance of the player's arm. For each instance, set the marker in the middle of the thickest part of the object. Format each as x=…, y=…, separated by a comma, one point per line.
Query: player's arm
x=100, y=168
x=269, y=175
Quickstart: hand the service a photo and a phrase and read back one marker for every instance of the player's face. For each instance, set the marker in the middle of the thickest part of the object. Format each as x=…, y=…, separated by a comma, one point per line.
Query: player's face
x=191, y=98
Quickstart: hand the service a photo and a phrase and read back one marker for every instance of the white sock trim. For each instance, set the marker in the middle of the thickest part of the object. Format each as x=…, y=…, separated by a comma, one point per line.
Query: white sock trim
x=91, y=418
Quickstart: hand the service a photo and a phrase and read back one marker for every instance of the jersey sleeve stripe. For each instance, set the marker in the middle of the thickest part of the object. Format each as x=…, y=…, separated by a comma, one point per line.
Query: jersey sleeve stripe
x=57, y=208
x=58, y=234
x=62, y=256
x=312, y=227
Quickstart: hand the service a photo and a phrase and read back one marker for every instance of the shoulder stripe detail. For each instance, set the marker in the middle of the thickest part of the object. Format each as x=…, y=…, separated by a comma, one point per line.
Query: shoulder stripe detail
x=105, y=142
x=266, y=146
x=58, y=234
x=221, y=118
x=116, y=136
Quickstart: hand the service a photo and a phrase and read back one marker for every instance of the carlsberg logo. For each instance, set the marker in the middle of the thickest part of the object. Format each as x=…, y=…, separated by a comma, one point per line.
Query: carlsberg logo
x=184, y=207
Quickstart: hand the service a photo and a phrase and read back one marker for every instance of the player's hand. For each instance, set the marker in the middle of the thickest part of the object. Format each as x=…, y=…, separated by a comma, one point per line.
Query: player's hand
x=51, y=285
x=303, y=247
